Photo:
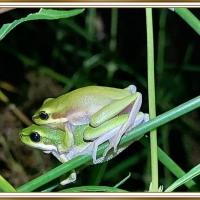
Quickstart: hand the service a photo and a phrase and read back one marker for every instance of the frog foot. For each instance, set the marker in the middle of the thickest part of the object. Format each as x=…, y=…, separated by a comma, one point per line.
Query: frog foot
x=70, y=179
x=100, y=141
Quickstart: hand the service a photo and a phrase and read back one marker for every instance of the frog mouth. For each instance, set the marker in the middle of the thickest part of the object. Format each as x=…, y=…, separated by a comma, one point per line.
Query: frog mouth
x=35, y=117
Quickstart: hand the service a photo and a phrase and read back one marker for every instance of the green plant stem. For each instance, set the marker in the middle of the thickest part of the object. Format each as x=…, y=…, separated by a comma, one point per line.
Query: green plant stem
x=92, y=14
x=161, y=46
x=113, y=31
x=97, y=173
x=165, y=141
x=133, y=134
x=186, y=15
x=170, y=164
x=151, y=92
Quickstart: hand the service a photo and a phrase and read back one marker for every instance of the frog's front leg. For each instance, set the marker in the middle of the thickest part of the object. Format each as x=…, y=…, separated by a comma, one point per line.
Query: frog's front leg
x=103, y=133
x=100, y=141
x=63, y=158
x=68, y=140
x=72, y=177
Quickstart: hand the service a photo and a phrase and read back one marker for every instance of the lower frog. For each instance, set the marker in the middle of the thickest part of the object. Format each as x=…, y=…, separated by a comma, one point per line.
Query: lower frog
x=65, y=148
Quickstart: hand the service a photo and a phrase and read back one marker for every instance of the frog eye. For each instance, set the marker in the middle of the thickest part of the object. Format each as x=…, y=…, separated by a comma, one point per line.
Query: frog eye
x=43, y=115
x=35, y=137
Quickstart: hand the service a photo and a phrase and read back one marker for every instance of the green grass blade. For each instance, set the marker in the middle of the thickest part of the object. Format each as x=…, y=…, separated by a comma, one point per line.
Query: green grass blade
x=151, y=95
x=43, y=14
x=186, y=15
x=188, y=176
x=6, y=186
x=169, y=164
x=173, y=167
x=97, y=174
x=123, y=181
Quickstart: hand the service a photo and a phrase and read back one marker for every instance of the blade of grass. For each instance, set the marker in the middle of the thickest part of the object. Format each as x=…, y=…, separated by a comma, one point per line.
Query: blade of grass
x=122, y=181
x=151, y=94
x=187, y=16
x=170, y=164
x=6, y=186
x=187, y=177
x=97, y=174
x=92, y=14
x=160, y=63
x=113, y=30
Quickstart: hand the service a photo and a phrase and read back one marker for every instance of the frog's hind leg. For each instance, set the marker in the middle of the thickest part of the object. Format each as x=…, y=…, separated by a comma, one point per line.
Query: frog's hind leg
x=131, y=120
x=101, y=140
x=140, y=118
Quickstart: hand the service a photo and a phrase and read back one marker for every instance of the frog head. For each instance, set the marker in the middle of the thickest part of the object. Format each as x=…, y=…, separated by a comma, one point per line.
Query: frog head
x=51, y=113
x=46, y=139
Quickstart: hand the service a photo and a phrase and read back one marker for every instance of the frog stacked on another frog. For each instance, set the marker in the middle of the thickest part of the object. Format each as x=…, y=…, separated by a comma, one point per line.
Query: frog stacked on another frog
x=78, y=122
x=60, y=145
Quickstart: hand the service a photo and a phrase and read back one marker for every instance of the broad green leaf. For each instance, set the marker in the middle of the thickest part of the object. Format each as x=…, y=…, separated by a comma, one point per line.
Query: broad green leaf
x=188, y=176
x=47, y=14
x=93, y=189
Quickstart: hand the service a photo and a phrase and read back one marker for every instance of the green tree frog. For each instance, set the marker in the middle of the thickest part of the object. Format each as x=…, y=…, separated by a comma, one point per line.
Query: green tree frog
x=64, y=148
x=93, y=106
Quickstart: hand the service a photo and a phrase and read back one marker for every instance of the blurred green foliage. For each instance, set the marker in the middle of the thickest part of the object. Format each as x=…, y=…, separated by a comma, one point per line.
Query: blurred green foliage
x=42, y=59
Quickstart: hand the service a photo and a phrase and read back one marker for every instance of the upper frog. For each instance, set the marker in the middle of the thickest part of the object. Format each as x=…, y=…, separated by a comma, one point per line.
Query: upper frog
x=77, y=107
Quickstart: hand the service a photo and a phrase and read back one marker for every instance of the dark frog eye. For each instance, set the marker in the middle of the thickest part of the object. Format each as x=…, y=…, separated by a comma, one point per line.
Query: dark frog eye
x=35, y=137
x=43, y=115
